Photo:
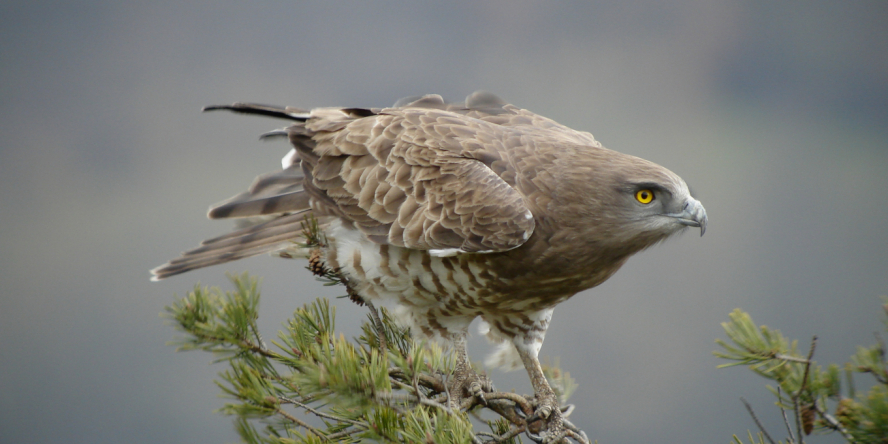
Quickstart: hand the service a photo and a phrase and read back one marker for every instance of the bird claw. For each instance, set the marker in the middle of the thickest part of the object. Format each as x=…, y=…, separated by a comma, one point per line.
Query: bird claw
x=544, y=411
x=469, y=389
x=552, y=428
x=477, y=391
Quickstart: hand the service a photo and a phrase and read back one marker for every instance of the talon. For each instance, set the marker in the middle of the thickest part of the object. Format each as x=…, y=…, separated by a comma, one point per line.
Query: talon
x=477, y=391
x=544, y=411
x=468, y=387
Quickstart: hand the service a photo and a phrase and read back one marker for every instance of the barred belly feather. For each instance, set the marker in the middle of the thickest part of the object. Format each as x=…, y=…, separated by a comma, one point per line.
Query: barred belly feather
x=432, y=295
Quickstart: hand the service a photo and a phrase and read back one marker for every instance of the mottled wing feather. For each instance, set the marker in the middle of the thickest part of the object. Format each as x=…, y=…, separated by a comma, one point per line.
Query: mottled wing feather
x=404, y=177
x=424, y=174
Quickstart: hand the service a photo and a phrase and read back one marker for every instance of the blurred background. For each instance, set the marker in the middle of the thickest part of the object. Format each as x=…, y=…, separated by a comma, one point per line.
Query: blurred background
x=776, y=114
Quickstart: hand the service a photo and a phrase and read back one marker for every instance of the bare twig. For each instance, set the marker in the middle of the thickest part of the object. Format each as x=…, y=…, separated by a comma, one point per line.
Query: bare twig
x=321, y=414
x=834, y=423
x=404, y=387
x=798, y=420
x=757, y=423
x=807, y=366
x=415, y=383
x=797, y=395
x=789, y=358
x=514, y=397
x=772, y=355
x=300, y=422
x=242, y=343
x=578, y=437
x=258, y=349
x=343, y=434
x=413, y=399
x=427, y=381
x=446, y=389
x=791, y=438
x=513, y=432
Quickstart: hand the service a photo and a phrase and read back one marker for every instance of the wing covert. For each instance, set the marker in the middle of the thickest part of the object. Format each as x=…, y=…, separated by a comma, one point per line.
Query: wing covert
x=405, y=178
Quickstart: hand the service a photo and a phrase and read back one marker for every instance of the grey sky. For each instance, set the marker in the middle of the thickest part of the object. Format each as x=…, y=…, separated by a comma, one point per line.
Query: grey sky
x=775, y=113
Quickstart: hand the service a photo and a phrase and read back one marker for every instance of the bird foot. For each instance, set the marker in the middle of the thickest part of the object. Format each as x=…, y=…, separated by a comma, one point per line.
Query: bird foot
x=467, y=388
x=547, y=421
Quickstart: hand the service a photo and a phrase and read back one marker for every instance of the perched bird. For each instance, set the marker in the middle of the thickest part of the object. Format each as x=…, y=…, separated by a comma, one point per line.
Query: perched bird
x=448, y=212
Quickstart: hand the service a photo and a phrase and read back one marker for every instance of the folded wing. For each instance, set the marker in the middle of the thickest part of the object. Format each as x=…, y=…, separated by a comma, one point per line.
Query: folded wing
x=416, y=175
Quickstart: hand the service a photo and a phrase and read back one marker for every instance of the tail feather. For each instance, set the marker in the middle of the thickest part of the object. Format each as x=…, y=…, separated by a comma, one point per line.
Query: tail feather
x=250, y=237
x=184, y=265
x=267, y=237
x=276, y=222
x=282, y=203
x=270, y=183
x=280, y=192
x=280, y=195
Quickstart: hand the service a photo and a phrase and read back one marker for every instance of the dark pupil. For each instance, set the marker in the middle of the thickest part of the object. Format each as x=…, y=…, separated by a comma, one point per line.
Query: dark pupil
x=644, y=195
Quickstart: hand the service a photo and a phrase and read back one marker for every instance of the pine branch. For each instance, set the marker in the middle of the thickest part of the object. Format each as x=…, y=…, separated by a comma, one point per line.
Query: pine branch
x=381, y=386
x=808, y=390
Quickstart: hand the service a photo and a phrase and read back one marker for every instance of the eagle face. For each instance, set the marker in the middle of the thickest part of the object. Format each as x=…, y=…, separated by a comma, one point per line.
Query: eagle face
x=663, y=208
x=627, y=203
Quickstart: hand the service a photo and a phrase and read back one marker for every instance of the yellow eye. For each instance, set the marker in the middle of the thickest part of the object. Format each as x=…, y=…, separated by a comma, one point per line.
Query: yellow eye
x=644, y=196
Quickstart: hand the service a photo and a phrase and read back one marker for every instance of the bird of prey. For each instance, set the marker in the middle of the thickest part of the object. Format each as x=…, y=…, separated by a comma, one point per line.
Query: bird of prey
x=453, y=211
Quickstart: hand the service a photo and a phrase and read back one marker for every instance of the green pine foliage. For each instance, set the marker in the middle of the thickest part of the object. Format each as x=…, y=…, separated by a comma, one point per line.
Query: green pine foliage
x=314, y=385
x=810, y=394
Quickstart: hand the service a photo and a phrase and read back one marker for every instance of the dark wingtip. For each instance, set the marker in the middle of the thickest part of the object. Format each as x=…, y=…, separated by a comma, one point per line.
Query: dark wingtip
x=262, y=110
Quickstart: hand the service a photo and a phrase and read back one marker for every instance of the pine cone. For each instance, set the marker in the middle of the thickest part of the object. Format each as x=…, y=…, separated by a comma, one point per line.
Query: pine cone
x=809, y=414
x=354, y=296
x=316, y=263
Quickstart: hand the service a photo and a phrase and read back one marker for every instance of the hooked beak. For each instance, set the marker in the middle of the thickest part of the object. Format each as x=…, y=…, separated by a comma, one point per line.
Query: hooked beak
x=693, y=215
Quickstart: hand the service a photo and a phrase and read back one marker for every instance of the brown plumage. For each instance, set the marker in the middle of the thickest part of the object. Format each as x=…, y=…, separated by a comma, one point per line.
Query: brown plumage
x=453, y=211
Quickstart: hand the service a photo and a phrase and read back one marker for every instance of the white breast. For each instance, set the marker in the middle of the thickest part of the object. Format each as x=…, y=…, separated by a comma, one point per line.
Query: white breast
x=433, y=299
